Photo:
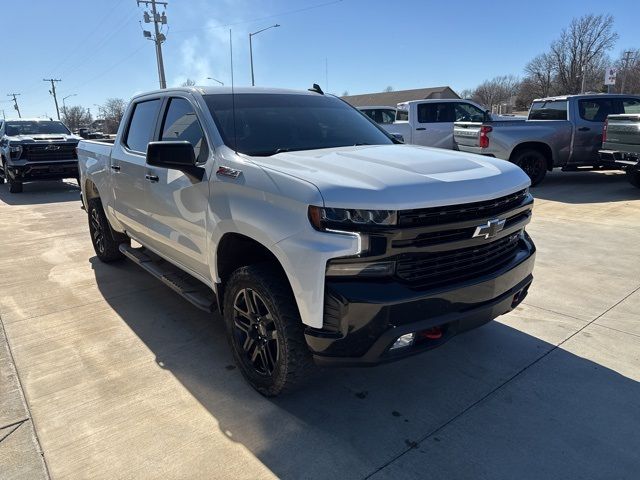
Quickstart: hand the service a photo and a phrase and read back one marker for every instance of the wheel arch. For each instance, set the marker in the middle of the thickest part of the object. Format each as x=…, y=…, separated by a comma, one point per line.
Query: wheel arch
x=235, y=250
x=541, y=147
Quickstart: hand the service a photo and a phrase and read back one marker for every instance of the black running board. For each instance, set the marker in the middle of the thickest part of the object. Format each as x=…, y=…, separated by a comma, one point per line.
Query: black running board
x=179, y=281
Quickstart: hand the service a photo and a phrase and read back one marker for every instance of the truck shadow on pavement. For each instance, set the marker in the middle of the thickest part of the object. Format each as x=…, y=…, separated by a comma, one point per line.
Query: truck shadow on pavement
x=35, y=193
x=492, y=403
x=589, y=186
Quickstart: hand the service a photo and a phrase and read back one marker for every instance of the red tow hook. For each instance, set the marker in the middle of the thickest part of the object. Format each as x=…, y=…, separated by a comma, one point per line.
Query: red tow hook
x=434, y=333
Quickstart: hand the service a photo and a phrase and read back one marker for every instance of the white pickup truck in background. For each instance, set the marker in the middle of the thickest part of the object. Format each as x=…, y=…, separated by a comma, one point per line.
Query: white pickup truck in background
x=318, y=237
x=430, y=122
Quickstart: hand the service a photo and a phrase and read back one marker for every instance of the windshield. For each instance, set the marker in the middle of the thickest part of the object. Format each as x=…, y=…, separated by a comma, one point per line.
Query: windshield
x=44, y=127
x=551, y=110
x=267, y=124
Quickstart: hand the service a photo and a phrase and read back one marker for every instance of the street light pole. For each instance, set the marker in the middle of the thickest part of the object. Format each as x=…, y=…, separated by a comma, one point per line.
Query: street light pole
x=64, y=107
x=215, y=80
x=253, y=82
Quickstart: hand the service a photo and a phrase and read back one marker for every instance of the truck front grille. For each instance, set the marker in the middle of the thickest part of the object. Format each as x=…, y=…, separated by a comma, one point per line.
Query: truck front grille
x=460, y=213
x=49, y=152
x=452, y=266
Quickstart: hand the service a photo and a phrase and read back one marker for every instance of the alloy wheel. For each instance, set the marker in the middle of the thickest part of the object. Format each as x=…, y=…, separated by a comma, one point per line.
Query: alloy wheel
x=97, y=233
x=255, y=332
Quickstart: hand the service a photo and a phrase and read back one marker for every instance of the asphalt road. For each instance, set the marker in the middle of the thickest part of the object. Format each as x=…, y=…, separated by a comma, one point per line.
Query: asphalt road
x=124, y=379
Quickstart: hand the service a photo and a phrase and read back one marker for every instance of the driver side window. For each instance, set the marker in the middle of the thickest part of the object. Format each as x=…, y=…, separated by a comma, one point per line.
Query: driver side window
x=181, y=123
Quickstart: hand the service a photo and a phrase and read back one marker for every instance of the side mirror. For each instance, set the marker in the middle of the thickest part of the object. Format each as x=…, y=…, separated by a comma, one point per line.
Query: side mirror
x=175, y=155
x=398, y=137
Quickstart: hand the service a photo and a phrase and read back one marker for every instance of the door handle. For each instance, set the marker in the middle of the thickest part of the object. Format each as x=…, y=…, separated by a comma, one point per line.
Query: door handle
x=152, y=178
x=420, y=128
x=115, y=168
x=584, y=129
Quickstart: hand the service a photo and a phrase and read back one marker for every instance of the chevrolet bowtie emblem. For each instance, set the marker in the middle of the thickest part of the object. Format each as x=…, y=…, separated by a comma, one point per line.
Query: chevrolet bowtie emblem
x=489, y=229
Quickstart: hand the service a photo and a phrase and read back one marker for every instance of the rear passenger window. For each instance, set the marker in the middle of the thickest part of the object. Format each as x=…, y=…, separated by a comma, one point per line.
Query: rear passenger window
x=436, y=112
x=181, y=123
x=595, y=109
x=631, y=105
x=142, y=125
x=402, y=115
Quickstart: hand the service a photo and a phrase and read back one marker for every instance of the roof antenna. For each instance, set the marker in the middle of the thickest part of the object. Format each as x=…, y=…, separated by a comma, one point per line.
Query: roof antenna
x=316, y=88
x=233, y=97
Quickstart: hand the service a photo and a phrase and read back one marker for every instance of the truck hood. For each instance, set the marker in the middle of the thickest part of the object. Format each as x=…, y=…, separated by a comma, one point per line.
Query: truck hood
x=43, y=138
x=398, y=177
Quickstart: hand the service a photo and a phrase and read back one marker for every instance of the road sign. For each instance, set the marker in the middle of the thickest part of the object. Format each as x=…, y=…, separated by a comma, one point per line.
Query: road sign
x=610, y=76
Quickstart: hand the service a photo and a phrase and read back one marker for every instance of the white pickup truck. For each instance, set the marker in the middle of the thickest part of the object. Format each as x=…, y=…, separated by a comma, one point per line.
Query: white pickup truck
x=318, y=237
x=430, y=122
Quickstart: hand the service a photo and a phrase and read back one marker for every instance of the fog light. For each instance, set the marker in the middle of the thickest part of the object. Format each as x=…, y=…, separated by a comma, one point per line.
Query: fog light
x=403, y=341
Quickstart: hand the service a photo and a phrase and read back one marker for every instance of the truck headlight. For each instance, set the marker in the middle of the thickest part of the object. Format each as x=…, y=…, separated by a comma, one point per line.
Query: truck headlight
x=15, y=151
x=350, y=218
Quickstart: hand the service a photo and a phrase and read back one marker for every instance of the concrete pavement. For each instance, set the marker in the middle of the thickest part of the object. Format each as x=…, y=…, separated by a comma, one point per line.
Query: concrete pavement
x=124, y=379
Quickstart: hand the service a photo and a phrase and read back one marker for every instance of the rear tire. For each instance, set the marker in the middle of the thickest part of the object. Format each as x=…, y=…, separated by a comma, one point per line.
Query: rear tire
x=105, y=241
x=265, y=331
x=634, y=177
x=533, y=163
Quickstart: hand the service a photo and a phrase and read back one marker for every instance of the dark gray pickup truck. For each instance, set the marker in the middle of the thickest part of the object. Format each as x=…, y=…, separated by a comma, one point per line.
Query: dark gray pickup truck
x=559, y=132
x=36, y=149
x=621, y=144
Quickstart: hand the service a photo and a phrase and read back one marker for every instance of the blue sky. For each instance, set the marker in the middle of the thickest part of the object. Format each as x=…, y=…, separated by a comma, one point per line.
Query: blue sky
x=97, y=47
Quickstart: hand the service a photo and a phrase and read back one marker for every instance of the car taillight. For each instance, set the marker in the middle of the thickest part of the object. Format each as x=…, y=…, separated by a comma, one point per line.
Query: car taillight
x=484, y=140
x=604, y=130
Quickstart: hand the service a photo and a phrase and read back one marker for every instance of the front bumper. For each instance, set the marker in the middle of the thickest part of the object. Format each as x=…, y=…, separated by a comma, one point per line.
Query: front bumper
x=31, y=171
x=373, y=315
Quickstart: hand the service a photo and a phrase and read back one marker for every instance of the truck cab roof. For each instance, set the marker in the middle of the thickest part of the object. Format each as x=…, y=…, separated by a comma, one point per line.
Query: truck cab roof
x=209, y=90
x=581, y=95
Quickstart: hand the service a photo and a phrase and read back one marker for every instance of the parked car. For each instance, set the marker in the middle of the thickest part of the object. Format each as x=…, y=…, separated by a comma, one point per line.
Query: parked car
x=36, y=149
x=430, y=122
x=319, y=238
x=621, y=144
x=380, y=115
x=559, y=132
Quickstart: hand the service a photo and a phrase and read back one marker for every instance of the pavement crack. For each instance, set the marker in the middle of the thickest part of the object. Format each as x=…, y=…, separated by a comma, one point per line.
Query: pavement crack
x=499, y=387
x=15, y=425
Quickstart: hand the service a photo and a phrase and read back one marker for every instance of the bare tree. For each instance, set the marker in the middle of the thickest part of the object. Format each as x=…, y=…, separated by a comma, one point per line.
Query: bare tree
x=76, y=117
x=540, y=75
x=112, y=111
x=466, y=93
x=580, y=52
x=345, y=93
x=188, y=83
x=628, y=78
x=492, y=93
x=388, y=89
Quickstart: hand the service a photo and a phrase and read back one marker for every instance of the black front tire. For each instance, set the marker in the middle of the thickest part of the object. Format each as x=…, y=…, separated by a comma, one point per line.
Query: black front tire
x=105, y=240
x=634, y=177
x=534, y=164
x=265, y=331
x=14, y=186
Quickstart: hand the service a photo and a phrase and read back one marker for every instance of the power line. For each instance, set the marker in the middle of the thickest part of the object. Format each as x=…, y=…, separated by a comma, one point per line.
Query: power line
x=15, y=102
x=159, y=37
x=275, y=15
x=53, y=92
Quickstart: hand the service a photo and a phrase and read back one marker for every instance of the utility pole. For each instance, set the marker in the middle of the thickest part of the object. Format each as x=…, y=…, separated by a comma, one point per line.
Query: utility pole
x=584, y=75
x=53, y=92
x=159, y=37
x=15, y=102
x=627, y=59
